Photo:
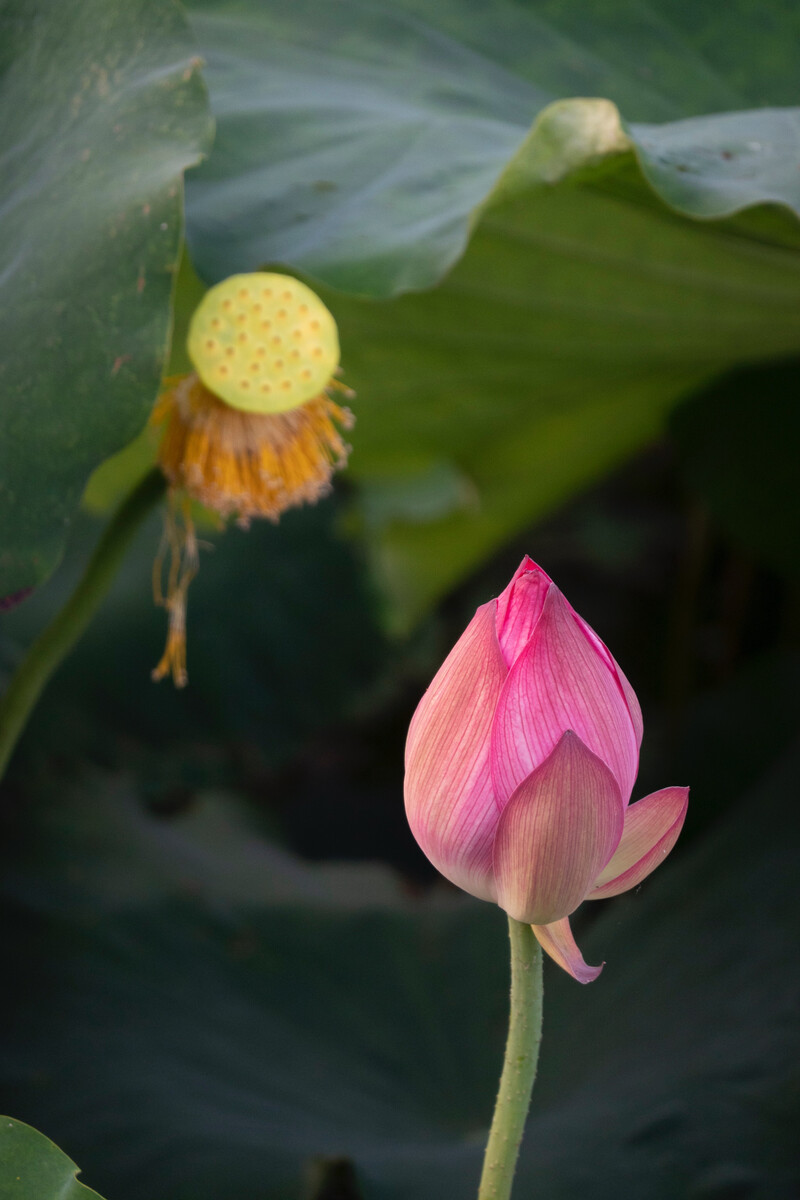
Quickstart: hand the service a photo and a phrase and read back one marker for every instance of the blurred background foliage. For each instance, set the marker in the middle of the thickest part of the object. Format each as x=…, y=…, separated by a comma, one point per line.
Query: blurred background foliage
x=573, y=334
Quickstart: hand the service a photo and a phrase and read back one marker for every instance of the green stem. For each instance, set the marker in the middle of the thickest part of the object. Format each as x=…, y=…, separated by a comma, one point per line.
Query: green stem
x=519, y=1065
x=56, y=641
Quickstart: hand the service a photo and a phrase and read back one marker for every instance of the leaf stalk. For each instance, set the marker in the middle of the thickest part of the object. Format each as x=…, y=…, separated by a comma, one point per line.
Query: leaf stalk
x=57, y=640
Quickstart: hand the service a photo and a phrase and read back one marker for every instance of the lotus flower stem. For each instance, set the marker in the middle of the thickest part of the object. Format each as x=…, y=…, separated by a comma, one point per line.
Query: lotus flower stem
x=519, y=1064
x=56, y=641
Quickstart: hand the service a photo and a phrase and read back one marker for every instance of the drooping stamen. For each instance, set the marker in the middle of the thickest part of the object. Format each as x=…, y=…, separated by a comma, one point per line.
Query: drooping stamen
x=180, y=540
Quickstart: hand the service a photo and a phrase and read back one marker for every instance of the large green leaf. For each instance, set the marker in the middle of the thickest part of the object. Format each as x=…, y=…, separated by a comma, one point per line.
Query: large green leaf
x=587, y=271
x=102, y=109
x=576, y=319
x=199, y=1015
x=33, y=1168
x=356, y=140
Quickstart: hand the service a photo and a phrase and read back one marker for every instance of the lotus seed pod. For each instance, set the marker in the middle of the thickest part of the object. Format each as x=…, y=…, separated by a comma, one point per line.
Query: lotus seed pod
x=263, y=343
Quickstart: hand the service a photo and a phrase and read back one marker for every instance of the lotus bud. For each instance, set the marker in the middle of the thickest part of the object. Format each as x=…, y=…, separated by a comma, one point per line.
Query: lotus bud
x=520, y=763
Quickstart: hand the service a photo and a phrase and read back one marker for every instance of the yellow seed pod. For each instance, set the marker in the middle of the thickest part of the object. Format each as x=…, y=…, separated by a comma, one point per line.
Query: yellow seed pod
x=263, y=342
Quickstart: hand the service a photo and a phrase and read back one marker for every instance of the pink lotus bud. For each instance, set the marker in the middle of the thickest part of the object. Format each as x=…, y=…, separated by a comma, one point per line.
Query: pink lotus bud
x=520, y=762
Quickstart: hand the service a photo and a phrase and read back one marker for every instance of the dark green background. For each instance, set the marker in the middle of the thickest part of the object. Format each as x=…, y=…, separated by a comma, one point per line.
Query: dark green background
x=230, y=973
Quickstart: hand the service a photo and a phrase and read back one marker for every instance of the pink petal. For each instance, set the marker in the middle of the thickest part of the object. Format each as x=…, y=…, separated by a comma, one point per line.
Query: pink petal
x=651, y=830
x=631, y=698
x=519, y=608
x=561, y=681
x=634, y=708
x=556, y=940
x=556, y=833
x=448, y=789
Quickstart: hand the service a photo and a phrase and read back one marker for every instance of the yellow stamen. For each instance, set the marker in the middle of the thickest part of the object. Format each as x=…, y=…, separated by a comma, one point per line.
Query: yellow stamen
x=247, y=465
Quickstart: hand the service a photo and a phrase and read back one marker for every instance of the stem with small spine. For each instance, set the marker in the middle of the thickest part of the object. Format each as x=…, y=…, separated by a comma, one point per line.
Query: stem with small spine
x=519, y=1064
x=56, y=641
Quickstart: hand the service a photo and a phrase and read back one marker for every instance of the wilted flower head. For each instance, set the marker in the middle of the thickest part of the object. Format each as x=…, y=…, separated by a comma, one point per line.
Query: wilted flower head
x=520, y=762
x=253, y=430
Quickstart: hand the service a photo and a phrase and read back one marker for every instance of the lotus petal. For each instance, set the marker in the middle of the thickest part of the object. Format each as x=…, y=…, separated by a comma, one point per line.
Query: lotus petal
x=651, y=830
x=561, y=681
x=519, y=608
x=449, y=801
x=556, y=833
x=556, y=940
x=631, y=699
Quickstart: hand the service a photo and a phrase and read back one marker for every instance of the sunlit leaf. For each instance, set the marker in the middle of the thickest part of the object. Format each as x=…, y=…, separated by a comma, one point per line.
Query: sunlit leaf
x=355, y=141
x=33, y=1168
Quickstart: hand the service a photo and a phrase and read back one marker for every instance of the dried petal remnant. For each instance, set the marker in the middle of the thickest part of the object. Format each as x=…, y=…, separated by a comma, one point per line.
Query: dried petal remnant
x=247, y=465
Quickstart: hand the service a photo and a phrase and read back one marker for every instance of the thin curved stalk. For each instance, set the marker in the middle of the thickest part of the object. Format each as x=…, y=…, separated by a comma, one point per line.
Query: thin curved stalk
x=56, y=641
x=519, y=1064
